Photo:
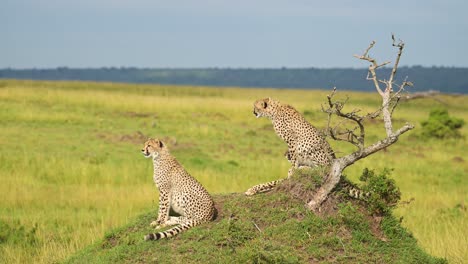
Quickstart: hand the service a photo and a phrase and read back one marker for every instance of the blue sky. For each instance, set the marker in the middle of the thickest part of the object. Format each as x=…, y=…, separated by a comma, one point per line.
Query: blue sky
x=241, y=33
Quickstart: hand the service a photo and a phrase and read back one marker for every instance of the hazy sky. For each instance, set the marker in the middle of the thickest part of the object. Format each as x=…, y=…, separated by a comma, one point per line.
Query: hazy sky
x=217, y=33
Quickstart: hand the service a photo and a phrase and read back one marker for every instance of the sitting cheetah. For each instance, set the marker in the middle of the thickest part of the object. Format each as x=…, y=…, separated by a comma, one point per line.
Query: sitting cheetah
x=177, y=190
x=306, y=145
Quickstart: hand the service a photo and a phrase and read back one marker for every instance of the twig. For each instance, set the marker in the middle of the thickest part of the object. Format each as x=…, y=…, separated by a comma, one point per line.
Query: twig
x=372, y=67
x=400, y=45
x=342, y=245
x=256, y=226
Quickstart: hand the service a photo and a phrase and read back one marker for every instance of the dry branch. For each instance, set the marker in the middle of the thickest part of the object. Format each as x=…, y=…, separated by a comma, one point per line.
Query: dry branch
x=390, y=100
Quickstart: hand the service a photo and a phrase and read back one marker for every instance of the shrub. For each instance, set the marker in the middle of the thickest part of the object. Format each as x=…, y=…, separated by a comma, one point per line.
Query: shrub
x=384, y=194
x=440, y=125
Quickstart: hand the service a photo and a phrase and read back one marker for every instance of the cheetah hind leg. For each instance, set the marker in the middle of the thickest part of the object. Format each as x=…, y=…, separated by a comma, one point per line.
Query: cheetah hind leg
x=173, y=220
x=175, y=230
x=261, y=188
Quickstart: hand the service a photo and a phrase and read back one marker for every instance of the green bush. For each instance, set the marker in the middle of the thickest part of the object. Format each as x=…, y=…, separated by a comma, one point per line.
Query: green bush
x=384, y=194
x=440, y=125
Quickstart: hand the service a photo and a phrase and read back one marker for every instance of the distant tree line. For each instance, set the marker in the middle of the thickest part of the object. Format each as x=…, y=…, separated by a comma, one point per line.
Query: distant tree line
x=443, y=79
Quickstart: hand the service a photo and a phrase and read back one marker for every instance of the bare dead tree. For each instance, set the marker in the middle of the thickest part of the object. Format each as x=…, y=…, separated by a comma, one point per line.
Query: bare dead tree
x=390, y=99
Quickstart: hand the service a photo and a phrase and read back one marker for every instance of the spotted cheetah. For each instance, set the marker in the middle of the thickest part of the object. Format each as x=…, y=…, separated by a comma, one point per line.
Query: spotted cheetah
x=306, y=145
x=177, y=190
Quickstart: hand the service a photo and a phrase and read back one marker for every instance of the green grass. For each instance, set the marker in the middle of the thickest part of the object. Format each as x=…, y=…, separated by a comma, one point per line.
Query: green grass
x=268, y=228
x=71, y=168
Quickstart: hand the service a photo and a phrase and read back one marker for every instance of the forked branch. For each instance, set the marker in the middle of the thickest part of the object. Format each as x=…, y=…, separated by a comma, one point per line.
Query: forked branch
x=350, y=135
x=390, y=100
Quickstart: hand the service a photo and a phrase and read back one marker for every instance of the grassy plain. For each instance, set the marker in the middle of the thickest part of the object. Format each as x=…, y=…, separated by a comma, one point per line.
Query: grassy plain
x=71, y=168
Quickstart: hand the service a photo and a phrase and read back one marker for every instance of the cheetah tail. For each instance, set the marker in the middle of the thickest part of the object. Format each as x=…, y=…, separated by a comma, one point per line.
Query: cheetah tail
x=357, y=193
x=172, y=231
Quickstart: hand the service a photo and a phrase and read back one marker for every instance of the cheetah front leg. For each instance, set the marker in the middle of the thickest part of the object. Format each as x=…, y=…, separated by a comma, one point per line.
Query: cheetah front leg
x=291, y=155
x=297, y=164
x=163, y=211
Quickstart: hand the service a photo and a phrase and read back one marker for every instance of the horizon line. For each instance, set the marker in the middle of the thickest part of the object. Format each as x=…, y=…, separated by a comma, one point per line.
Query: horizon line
x=219, y=68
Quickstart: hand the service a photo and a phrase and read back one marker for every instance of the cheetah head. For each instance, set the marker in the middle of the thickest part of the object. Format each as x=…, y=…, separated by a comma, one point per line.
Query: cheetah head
x=264, y=107
x=152, y=148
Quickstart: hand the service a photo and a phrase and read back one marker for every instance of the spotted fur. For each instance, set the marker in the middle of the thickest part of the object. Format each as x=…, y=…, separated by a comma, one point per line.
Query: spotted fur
x=306, y=145
x=177, y=191
x=358, y=193
x=352, y=190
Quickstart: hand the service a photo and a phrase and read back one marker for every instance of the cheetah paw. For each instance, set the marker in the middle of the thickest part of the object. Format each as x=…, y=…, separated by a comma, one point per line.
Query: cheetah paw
x=249, y=192
x=156, y=225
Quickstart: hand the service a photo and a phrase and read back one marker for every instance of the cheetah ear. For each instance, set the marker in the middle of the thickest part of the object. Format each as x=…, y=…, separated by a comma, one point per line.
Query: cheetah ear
x=264, y=103
x=161, y=144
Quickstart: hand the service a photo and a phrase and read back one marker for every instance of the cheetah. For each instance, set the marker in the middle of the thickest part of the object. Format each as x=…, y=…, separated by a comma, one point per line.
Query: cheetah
x=306, y=145
x=177, y=191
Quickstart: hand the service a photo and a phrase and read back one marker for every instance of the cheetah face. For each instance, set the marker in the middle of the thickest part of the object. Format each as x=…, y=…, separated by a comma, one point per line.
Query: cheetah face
x=263, y=107
x=152, y=148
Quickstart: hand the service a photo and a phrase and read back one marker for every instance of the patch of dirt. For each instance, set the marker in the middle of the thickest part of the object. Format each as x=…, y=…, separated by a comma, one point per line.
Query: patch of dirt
x=226, y=147
x=218, y=116
x=182, y=146
x=458, y=159
x=135, y=138
x=214, y=116
x=296, y=189
x=375, y=222
x=170, y=141
x=344, y=233
x=219, y=201
x=251, y=149
x=419, y=155
x=303, y=184
x=110, y=241
x=267, y=127
x=138, y=138
x=329, y=208
x=135, y=114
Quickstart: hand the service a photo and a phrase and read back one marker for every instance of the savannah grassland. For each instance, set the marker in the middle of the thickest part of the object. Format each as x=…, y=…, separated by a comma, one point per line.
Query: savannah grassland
x=71, y=168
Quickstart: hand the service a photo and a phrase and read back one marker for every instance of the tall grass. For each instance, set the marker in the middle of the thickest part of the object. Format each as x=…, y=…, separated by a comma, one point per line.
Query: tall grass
x=70, y=165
